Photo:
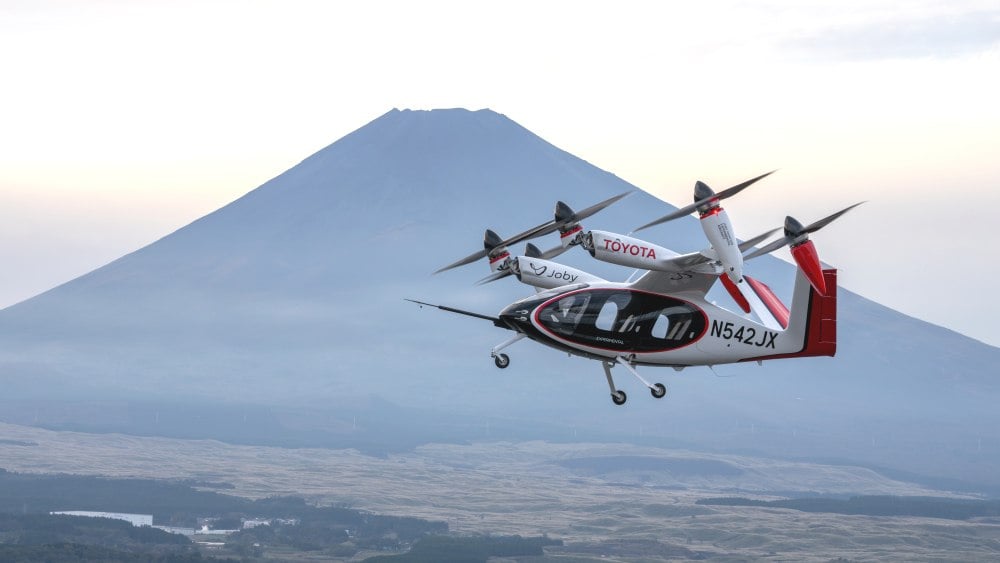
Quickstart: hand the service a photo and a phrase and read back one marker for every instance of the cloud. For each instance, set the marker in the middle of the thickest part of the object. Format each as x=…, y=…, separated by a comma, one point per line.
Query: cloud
x=942, y=36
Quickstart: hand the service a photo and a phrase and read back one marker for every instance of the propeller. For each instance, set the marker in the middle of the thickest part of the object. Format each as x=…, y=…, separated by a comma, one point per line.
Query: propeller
x=705, y=197
x=491, y=241
x=750, y=243
x=495, y=276
x=530, y=251
x=565, y=219
x=793, y=230
x=803, y=251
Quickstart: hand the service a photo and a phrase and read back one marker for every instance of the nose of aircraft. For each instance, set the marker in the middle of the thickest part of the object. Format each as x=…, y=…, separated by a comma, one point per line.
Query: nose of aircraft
x=517, y=316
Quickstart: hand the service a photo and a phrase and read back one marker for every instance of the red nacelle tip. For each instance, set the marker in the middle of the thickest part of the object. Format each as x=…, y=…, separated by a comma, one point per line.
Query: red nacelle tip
x=807, y=258
x=735, y=293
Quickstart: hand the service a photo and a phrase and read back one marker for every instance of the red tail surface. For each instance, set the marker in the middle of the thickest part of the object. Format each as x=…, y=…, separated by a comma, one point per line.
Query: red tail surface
x=820, y=337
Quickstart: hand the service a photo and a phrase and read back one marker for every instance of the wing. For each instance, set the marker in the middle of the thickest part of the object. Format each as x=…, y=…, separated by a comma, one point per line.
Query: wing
x=686, y=272
x=676, y=282
x=684, y=262
x=692, y=259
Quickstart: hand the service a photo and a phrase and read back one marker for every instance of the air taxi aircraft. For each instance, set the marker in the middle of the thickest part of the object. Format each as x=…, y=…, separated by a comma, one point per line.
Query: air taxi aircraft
x=663, y=317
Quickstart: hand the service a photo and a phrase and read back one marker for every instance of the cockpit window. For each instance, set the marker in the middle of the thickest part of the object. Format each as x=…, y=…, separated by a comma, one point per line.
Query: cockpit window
x=606, y=318
x=660, y=326
x=564, y=315
x=620, y=319
x=609, y=317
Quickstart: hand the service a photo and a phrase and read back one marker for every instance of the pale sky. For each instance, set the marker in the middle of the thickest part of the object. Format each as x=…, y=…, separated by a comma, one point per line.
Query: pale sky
x=121, y=121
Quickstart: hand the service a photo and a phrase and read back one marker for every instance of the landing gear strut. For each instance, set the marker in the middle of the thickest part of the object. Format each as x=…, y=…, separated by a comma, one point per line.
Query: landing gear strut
x=618, y=396
x=658, y=390
x=503, y=360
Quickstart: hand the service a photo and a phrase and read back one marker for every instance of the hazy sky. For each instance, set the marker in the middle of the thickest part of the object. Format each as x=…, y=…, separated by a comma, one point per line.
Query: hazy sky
x=121, y=121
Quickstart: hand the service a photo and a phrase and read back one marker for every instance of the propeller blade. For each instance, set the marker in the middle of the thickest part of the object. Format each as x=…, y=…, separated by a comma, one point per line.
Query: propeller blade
x=795, y=229
x=543, y=229
x=827, y=220
x=494, y=277
x=553, y=252
x=530, y=251
x=581, y=215
x=730, y=192
x=540, y=230
x=669, y=217
x=529, y=234
x=750, y=243
x=687, y=209
x=775, y=245
x=467, y=260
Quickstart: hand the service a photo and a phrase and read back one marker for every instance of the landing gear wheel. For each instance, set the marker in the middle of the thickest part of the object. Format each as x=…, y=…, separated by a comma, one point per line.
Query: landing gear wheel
x=501, y=360
x=658, y=390
x=618, y=397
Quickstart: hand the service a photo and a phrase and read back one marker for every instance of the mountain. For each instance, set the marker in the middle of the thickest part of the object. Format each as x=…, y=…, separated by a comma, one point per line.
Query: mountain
x=288, y=304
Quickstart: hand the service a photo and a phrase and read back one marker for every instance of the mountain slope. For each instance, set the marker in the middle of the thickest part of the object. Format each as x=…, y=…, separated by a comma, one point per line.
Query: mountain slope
x=293, y=295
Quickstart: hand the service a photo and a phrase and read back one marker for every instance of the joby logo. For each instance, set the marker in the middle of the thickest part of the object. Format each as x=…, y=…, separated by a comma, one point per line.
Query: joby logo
x=564, y=275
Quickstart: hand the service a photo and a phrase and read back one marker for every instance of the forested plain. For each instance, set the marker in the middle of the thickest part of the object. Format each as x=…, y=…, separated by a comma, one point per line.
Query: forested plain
x=28, y=531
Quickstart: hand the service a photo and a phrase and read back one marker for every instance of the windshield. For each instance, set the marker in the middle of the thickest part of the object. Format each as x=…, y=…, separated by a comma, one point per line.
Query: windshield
x=622, y=319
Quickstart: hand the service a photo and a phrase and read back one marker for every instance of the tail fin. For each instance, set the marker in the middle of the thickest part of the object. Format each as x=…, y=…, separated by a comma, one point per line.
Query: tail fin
x=813, y=318
x=821, y=331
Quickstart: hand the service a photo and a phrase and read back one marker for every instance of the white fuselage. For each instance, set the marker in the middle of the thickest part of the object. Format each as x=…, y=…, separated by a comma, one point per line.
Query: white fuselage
x=611, y=320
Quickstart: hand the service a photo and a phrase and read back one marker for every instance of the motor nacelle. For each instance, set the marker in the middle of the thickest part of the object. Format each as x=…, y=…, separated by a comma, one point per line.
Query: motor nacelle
x=626, y=251
x=569, y=227
x=803, y=249
x=545, y=274
x=496, y=251
x=719, y=231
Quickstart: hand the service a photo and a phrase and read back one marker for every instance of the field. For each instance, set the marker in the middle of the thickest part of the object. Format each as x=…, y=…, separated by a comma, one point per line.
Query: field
x=605, y=501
